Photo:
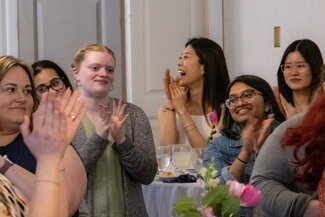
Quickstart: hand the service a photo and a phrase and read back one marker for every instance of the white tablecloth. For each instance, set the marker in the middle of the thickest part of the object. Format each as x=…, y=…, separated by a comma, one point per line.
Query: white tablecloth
x=159, y=197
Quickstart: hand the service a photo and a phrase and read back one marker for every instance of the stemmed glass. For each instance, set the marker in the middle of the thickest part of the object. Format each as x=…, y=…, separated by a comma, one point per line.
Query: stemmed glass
x=181, y=157
x=197, y=155
x=163, y=154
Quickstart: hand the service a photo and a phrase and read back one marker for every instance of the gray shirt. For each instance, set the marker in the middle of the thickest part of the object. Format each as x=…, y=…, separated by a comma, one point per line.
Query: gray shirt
x=274, y=175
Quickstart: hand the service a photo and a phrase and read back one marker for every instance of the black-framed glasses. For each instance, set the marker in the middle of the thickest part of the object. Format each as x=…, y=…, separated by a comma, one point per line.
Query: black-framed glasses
x=288, y=67
x=55, y=84
x=246, y=97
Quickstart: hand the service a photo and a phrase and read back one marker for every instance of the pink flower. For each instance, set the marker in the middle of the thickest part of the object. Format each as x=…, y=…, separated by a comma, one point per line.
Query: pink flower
x=213, y=117
x=235, y=188
x=250, y=195
x=207, y=211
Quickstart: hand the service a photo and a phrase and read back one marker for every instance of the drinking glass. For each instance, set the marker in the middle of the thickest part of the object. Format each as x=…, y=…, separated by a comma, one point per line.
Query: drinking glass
x=163, y=154
x=197, y=155
x=181, y=157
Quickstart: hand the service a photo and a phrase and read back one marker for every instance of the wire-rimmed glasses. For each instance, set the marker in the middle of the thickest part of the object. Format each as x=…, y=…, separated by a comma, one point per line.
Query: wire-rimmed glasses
x=55, y=84
x=246, y=97
x=288, y=67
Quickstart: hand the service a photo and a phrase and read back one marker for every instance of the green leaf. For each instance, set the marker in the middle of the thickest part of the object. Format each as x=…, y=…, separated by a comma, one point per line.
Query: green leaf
x=216, y=196
x=184, y=205
x=230, y=205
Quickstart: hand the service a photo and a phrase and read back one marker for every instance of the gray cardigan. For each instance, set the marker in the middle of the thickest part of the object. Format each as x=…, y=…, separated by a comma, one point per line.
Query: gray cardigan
x=137, y=158
x=273, y=174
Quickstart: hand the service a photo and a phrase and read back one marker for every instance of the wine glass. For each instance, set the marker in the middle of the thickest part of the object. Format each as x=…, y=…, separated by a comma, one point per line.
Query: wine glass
x=163, y=154
x=197, y=155
x=181, y=157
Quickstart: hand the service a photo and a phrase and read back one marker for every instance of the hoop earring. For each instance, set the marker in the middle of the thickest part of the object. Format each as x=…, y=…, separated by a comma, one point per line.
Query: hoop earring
x=77, y=82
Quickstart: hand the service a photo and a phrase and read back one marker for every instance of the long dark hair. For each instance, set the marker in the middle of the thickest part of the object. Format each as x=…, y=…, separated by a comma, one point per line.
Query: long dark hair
x=311, y=53
x=216, y=78
x=231, y=128
x=47, y=64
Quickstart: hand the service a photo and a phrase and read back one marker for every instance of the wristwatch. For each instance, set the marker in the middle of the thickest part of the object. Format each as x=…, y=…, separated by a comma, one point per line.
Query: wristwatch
x=7, y=164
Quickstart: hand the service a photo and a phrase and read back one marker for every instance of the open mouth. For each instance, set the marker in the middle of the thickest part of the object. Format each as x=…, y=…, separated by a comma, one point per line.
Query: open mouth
x=181, y=73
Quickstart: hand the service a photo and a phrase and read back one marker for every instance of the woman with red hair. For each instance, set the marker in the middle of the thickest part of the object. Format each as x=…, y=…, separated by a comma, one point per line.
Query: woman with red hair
x=290, y=166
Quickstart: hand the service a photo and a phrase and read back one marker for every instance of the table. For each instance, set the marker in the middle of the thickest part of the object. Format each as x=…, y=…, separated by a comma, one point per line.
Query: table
x=160, y=197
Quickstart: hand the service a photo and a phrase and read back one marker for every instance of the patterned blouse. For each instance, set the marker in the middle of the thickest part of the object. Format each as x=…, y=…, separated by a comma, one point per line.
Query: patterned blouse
x=12, y=204
x=321, y=194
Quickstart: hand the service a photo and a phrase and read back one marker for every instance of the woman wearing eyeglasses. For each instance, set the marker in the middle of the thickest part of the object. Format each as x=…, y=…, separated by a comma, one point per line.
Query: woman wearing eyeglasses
x=49, y=77
x=251, y=114
x=299, y=81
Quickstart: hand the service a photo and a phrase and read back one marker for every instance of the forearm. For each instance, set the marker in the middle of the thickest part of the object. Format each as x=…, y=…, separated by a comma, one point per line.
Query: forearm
x=237, y=168
x=48, y=198
x=167, y=127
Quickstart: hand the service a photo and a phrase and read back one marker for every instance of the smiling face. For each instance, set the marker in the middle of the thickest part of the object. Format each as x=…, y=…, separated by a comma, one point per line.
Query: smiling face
x=297, y=79
x=190, y=70
x=96, y=74
x=243, y=111
x=44, y=77
x=15, y=98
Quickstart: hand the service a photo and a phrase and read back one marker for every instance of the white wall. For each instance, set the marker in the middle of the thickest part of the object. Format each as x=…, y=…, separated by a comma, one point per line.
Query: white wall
x=1, y=30
x=248, y=32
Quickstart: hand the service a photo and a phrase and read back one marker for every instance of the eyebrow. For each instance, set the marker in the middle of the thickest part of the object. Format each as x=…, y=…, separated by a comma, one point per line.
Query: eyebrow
x=235, y=94
x=15, y=85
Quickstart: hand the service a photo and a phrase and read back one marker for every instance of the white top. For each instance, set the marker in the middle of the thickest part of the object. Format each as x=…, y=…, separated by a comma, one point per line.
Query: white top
x=200, y=123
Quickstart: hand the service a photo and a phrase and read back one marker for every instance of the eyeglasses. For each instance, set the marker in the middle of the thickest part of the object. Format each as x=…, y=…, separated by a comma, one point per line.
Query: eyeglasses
x=55, y=84
x=288, y=67
x=246, y=97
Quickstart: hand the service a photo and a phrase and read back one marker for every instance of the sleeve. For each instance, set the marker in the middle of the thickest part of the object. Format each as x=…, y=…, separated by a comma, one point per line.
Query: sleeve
x=214, y=150
x=90, y=149
x=273, y=175
x=137, y=153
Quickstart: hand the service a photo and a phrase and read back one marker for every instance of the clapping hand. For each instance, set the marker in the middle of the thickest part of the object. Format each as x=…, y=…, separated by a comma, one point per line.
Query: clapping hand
x=255, y=133
x=49, y=135
x=288, y=108
x=178, y=96
x=117, y=121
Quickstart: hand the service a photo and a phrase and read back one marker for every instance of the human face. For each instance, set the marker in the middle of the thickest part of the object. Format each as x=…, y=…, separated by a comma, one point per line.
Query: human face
x=297, y=79
x=96, y=74
x=190, y=70
x=15, y=98
x=243, y=111
x=47, y=80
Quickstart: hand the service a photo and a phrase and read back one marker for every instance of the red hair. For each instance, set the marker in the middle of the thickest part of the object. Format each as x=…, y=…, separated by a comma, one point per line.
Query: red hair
x=309, y=135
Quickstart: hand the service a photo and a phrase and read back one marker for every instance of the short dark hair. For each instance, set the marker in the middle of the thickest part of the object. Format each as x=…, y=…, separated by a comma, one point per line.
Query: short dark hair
x=313, y=56
x=231, y=128
x=216, y=77
x=48, y=64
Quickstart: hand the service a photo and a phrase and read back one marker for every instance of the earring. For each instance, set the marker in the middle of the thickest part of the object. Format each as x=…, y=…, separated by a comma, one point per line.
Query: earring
x=77, y=82
x=267, y=109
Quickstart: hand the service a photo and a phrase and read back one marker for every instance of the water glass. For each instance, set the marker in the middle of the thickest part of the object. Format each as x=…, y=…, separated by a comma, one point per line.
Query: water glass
x=197, y=155
x=163, y=154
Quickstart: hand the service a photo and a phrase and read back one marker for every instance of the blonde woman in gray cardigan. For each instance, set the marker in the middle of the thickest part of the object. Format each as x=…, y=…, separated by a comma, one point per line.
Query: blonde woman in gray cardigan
x=115, y=141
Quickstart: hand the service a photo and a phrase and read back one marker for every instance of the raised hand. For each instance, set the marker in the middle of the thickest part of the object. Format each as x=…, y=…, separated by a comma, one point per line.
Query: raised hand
x=288, y=108
x=102, y=126
x=48, y=138
x=74, y=109
x=166, y=83
x=117, y=121
x=178, y=96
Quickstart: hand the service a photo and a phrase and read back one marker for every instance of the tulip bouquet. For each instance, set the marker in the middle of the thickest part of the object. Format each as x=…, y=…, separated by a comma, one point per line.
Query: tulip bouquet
x=217, y=200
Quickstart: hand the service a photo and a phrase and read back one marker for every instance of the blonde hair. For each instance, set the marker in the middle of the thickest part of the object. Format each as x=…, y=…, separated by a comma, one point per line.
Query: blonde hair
x=83, y=51
x=7, y=62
